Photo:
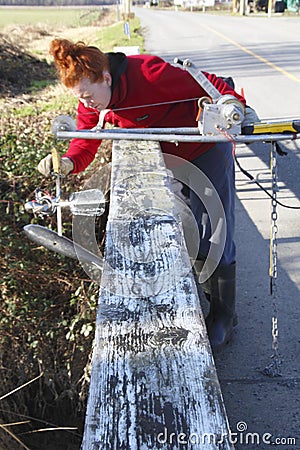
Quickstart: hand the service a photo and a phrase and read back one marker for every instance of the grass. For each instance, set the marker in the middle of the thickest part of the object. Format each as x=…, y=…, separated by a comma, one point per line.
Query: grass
x=50, y=314
x=58, y=17
x=32, y=31
x=109, y=37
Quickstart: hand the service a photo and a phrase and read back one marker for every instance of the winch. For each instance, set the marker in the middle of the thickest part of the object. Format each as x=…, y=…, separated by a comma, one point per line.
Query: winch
x=216, y=111
x=226, y=114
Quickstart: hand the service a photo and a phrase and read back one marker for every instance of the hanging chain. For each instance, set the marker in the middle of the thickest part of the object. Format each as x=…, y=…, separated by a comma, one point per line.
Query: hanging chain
x=273, y=370
x=274, y=217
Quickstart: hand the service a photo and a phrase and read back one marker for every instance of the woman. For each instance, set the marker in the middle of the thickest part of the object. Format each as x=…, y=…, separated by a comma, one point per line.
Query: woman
x=145, y=91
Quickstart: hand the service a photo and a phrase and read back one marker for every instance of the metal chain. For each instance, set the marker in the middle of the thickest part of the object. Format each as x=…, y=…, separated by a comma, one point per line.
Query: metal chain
x=274, y=217
x=273, y=370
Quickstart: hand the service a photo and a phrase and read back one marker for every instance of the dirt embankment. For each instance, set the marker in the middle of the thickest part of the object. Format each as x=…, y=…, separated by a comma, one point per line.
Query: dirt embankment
x=24, y=59
x=19, y=70
x=42, y=297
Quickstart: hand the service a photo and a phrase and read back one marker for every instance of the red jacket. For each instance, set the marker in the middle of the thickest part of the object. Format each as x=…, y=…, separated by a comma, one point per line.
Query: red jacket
x=148, y=80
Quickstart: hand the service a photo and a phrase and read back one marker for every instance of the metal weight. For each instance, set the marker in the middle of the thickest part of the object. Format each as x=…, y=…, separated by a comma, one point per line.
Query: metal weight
x=63, y=123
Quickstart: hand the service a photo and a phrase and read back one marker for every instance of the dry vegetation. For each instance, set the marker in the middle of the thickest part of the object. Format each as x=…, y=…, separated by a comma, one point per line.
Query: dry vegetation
x=24, y=57
x=48, y=304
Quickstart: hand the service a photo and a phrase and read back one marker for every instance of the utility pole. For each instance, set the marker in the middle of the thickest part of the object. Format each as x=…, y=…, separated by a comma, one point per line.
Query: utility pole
x=270, y=4
x=127, y=8
x=127, y=14
x=242, y=7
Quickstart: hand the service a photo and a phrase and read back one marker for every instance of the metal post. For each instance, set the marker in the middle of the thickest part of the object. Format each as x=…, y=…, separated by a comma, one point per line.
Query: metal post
x=270, y=4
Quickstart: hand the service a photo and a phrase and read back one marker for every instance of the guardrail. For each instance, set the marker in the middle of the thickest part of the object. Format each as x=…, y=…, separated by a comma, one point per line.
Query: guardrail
x=153, y=379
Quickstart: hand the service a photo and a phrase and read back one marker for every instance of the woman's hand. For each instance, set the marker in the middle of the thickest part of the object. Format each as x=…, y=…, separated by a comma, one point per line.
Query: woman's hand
x=45, y=166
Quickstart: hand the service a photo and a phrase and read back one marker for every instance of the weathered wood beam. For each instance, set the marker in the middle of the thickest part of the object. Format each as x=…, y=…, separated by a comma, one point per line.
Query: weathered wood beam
x=153, y=381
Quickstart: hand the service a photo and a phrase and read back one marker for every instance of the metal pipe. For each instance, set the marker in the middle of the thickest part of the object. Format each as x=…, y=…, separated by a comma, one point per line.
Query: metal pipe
x=172, y=130
x=153, y=135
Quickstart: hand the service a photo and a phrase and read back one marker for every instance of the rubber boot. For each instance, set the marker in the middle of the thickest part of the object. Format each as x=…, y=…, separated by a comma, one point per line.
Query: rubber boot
x=220, y=291
x=198, y=266
x=222, y=316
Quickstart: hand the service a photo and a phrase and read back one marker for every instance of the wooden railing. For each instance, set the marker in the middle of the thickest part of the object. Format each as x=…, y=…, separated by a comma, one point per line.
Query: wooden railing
x=153, y=380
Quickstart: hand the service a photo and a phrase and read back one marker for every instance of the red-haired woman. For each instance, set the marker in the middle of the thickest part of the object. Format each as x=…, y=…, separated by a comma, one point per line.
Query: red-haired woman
x=143, y=91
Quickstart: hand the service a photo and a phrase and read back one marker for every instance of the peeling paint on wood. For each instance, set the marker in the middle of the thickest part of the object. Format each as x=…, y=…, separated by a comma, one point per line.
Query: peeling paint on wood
x=153, y=382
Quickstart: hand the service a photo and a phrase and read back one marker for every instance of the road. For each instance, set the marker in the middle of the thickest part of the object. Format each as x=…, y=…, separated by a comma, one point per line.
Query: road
x=263, y=56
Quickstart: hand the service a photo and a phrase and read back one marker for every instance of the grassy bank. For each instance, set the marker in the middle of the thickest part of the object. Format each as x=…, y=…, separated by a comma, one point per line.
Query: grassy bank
x=50, y=16
x=48, y=303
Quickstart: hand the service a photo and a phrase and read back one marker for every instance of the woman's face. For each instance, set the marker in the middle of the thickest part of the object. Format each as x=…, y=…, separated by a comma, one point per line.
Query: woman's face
x=94, y=95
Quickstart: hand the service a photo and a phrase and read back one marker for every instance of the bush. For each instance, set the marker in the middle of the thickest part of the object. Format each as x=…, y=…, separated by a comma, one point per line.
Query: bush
x=48, y=304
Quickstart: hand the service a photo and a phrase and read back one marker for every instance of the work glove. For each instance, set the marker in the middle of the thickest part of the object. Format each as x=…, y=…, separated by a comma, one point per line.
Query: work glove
x=45, y=166
x=250, y=116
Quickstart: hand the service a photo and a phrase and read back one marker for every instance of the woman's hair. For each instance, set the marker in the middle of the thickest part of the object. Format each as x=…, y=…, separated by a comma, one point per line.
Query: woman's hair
x=75, y=61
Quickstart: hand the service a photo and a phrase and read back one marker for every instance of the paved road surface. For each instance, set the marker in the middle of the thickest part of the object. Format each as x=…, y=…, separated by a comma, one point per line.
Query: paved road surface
x=263, y=56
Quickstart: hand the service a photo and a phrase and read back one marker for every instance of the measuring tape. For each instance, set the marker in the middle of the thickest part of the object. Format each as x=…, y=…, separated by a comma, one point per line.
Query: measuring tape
x=289, y=126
